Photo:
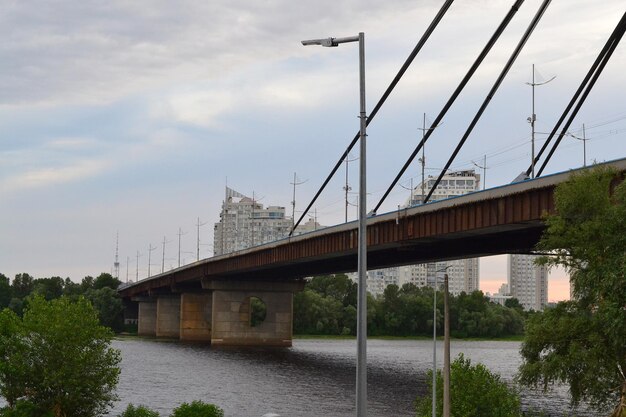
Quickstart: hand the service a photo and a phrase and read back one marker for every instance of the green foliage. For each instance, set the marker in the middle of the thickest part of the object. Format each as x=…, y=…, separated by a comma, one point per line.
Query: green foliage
x=583, y=342
x=5, y=291
x=86, y=284
x=139, y=411
x=71, y=289
x=329, y=307
x=101, y=292
x=316, y=314
x=58, y=358
x=514, y=303
x=258, y=311
x=49, y=288
x=109, y=307
x=23, y=285
x=474, y=392
x=106, y=280
x=197, y=409
x=25, y=408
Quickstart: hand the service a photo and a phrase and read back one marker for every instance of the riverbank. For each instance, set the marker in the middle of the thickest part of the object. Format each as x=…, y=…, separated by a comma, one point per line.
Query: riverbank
x=516, y=338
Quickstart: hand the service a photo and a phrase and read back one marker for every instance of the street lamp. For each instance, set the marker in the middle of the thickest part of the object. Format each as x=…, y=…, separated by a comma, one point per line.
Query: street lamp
x=361, y=359
x=435, y=284
x=532, y=119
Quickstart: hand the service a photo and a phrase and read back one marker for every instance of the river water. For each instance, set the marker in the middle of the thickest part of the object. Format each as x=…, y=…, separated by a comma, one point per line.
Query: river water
x=316, y=377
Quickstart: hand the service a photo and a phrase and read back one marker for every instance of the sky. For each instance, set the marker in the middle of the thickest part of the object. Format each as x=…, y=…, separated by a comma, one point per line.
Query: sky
x=130, y=118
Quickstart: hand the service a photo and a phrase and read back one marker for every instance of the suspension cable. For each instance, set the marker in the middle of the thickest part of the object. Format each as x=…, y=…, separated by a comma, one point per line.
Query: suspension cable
x=507, y=19
x=380, y=103
x=492, y=92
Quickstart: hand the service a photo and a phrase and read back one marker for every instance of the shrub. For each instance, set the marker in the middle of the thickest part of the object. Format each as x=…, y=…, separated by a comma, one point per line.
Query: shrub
x=24, y=408
x=197, y=409
x=474, y=392
x=139, y=411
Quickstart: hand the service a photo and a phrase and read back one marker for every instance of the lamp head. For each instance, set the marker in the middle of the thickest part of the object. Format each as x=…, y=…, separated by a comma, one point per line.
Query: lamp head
x=329, y=42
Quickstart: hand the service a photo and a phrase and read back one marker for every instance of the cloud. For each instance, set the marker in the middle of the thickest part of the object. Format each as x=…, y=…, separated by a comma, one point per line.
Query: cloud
x=97, y=52
x=53, y=176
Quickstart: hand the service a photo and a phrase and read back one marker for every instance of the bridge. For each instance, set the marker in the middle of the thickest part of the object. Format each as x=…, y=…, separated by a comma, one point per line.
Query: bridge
x=210, y=300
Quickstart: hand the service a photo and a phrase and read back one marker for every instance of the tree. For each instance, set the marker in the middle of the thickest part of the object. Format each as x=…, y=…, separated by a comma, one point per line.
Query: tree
x=86, y=283
x=583, y=342
x=49, y=288
x=109, y=306
x=22, y=285
x=197, y=409
x=474, y=392
x=58, y=358
x=106, y=280
x=5, y=291
x=139, y=411
x=513, y=303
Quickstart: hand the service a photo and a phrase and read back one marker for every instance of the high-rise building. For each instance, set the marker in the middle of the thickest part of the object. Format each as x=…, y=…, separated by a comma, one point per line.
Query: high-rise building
x=379, y=279
x=463, y=274
x=528, y=282
x=245, y=223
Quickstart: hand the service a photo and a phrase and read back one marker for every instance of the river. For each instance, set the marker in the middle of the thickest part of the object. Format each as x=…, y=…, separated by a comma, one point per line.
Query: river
x=316, y=377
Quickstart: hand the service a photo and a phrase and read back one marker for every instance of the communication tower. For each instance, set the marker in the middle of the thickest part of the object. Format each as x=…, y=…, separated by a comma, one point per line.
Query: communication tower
x=116, y=264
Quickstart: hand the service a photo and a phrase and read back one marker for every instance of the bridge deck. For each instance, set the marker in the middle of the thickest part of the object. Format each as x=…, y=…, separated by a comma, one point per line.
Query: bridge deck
x=505, y=219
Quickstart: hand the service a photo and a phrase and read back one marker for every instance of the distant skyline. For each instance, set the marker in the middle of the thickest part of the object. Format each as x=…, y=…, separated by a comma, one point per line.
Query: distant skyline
x=132, y=117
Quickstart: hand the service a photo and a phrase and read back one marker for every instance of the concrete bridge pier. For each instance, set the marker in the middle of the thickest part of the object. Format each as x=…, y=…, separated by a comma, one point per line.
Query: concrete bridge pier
x=195, y=317
x=147, y=316
x=238, y=307
x=168, y=316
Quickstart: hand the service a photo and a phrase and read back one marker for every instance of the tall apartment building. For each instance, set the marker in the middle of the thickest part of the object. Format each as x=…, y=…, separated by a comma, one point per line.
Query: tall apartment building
x=528, y=282
x=463, y=274
x=245, y=223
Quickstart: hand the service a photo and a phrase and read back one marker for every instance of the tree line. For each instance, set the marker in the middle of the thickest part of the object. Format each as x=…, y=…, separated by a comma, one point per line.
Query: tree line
x=101, y=292
x=327, y=306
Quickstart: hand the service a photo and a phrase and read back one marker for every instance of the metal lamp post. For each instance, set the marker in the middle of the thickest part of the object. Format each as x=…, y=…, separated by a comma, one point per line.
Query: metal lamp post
x=435, y=286
x=533, y=118
x=361, y=360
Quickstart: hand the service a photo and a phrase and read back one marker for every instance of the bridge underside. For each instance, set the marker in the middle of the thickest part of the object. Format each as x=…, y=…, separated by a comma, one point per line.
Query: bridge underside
x=221, y=313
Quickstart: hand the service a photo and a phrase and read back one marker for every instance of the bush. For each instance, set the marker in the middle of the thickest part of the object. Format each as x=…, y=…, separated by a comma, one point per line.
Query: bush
x=139, y=411
x=24, y=408
x=197, y=409
x=474, y=392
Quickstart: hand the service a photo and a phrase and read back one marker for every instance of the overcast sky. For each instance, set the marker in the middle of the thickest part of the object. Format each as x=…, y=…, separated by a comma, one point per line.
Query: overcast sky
x=131, y=117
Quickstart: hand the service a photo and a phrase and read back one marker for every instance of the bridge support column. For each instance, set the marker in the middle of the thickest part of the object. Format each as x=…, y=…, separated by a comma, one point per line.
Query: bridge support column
x=168, y=316
x=147, y=314
x=195, y=317
x=252, y=313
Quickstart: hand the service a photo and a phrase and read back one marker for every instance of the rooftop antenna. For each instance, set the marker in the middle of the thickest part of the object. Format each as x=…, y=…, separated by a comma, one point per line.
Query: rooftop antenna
x=137, y=268
x=198, y=224
x=484, y=168
x=533, y=118
x=254, y=201
x=422, y=160
x=295, y=182
x=180, y=233
x=116, y=264
x=163, y=258
x=347, y=187
x=150, y=249
x=584, y=141
x=127, y=262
